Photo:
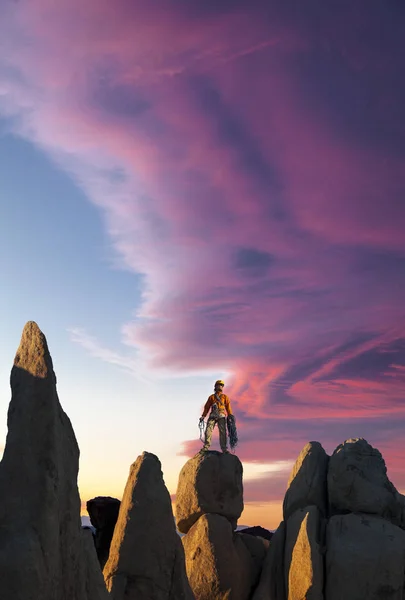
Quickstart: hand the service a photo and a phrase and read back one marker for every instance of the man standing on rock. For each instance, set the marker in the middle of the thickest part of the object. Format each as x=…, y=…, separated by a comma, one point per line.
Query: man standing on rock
x=220, y=406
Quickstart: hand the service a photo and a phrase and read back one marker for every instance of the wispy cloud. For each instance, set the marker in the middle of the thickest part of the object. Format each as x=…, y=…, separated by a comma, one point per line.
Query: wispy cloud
x=250, y=163
x=93, y=347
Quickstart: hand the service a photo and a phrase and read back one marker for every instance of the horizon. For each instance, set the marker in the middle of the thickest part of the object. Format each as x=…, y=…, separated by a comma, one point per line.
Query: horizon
x=193, y=191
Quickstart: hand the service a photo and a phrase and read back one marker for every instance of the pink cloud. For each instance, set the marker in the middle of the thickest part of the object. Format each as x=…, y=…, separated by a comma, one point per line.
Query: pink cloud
x=251, y=165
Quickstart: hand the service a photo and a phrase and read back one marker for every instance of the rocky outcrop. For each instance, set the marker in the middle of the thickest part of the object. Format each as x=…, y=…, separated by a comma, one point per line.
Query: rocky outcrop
x=350, y=497
x=40, y=530
x=308, y=481
x=219, y=565
x=209, y=483
x=103, y=512
x=258, y=531
x=342, y=535
x=220, y=562
x=358, y=482
x=304, y=554
x=365, y=558
x=145, y=550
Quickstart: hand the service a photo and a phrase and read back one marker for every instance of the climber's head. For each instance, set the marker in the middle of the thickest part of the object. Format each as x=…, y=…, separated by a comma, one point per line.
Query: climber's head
x=219, y=385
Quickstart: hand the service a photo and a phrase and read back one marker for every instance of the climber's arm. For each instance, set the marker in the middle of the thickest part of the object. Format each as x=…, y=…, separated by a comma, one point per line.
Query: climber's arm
x=207, y=406
x=228, y=406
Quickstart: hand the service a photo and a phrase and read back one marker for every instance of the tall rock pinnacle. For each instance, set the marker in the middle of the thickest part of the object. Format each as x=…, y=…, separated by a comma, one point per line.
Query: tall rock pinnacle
x=40, y=529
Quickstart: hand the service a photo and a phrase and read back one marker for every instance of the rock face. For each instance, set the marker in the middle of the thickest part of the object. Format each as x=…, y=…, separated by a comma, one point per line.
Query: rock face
x=146, y=551
x=103, y=512
x=308, y=481
x=219, y=566
x=272, y=584
x=358, y=482
x=95, y=586
x=209, y=483
x=362, y=555
x=257, y=547
x=40, y=528
x=365, y=558
x=303, y=556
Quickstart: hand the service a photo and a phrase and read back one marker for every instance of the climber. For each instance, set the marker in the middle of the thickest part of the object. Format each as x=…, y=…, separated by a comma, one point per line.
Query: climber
x=221, y=415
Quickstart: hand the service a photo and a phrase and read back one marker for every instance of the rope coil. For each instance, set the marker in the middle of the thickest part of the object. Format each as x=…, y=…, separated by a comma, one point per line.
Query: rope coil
x=201, y=425
x=232, y=432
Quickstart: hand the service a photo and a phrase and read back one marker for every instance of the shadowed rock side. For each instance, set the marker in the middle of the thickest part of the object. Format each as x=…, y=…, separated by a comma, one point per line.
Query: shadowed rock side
x=257, y=547
x=146, y=560
x=210, y=482
x=365, y=558
x=271, y=585
x=95, y=586
x=40, y=529
x=103, y=512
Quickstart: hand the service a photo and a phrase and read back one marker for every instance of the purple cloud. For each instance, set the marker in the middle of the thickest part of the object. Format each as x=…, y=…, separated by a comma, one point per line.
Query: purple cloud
x=249, y=161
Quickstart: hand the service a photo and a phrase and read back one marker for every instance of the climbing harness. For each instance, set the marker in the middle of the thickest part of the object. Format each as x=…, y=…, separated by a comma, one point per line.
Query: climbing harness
x=218, y=406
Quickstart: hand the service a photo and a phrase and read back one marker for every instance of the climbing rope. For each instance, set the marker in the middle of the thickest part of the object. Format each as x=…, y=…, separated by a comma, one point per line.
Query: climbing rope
x=232, y=432
x=201, y=425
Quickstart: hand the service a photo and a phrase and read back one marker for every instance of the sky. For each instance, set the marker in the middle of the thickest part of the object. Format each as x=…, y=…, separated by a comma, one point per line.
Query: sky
x=193, y=190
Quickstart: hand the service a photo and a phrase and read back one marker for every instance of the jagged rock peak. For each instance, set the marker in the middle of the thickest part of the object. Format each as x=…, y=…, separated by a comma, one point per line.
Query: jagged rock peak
x=307, y=484
x=33, y=354
x=41, y=542
x=146, y=559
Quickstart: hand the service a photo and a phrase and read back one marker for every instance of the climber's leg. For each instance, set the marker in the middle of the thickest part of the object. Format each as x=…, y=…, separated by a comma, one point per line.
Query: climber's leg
x=208, y=433
x=222, y=434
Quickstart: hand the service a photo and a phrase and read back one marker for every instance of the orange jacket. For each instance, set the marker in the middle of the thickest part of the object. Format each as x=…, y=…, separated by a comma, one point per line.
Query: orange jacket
x=224, y=405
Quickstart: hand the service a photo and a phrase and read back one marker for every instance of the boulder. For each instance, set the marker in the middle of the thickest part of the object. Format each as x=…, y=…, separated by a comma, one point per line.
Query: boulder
x=365, y=558
x=358, y=482
x=304, y=554
x=40, y=526
x=257, y=531
x=145, y=552
x=271, y=584
x=308, y=481
x=94, y=581
x=210, y=482
x=219, y=565
x=103, y=512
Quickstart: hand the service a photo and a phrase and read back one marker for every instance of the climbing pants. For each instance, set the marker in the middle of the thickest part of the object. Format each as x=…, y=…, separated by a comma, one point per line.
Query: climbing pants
x=221, y=422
